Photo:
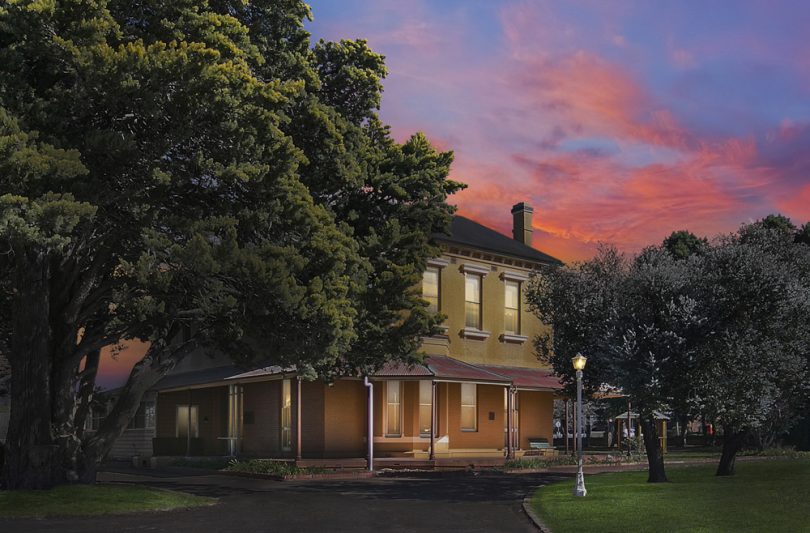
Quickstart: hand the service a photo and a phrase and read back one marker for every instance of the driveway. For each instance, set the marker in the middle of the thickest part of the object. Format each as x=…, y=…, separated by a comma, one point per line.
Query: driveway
x=425, y=502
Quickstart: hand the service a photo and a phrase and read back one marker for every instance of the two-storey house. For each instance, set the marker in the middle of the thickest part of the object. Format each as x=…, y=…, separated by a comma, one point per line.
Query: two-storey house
x=481, y=391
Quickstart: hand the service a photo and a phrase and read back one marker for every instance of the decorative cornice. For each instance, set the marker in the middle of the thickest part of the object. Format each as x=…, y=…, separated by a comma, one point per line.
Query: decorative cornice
x=514, y=276
x=438, y=262
x=511, y=337
x=474, y=333
x=474, y=269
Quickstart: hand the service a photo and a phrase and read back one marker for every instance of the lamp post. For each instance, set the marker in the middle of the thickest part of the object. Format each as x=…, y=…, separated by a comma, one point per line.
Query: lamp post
x=579, y=365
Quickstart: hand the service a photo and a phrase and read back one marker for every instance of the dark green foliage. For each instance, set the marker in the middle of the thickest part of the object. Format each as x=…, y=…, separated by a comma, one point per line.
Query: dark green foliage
x=717, y=330
x=683, y=244
x=194, y=175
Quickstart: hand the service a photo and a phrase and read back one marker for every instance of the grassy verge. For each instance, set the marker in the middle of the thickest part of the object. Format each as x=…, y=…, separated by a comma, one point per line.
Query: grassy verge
x=769, y=495
x=86, y=500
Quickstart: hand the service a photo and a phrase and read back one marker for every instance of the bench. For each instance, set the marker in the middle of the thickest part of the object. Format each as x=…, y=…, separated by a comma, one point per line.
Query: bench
x=539, y=444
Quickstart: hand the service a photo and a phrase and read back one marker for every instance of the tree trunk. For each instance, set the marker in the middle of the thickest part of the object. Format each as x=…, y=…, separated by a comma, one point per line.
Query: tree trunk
x=144, y=375
x=655, y=456
x=30, y=449
x=684, y=430
x=732, y=439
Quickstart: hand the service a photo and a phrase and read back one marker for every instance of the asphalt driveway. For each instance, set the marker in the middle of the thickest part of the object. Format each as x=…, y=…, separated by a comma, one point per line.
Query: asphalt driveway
x=426, y=502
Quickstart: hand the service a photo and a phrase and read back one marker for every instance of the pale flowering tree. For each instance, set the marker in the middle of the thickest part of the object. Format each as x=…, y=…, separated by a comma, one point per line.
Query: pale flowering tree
x=754, y=291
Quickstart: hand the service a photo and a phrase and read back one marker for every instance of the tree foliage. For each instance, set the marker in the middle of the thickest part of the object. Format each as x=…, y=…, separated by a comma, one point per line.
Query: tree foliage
x=193, y=174
x=714, y=329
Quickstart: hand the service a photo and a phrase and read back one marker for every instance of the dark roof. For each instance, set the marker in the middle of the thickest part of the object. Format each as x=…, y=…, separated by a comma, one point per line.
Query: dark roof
x=197, y=377
x=449, y=368
x=467, y=232
x=272, y=370
x=442, y=368
x=394, y=369
x=527, y=378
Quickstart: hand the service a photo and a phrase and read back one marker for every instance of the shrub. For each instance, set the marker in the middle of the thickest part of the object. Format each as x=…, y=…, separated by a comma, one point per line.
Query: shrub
x=271, y=467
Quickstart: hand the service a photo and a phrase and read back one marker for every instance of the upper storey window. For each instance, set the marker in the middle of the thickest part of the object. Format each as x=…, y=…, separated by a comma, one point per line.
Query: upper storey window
x=430, y=288
x=511, y=312
x=472, y=298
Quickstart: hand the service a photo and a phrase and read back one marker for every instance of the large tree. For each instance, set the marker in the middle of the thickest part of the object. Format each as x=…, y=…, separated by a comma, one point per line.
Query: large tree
x=753, y=289
x=633, y=320
x=194, y=175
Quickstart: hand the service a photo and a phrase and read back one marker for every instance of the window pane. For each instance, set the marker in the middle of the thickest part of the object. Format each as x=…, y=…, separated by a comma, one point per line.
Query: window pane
x=286, y=415
x=393, y=393
x=469, y=406
x=187, y=417
x=473, y=315
x=424, y=419
x=511, y=295
x=468, y=393
x=472, y=288
x=511, y=314
x=510, y=321
x=430, y=289
x=182, y=421
x=195, y=426
x=425, y=406
x=467, y=417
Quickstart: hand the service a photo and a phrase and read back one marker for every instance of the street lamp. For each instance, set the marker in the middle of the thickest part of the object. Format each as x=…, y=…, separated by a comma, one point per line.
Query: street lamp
x=579, y=365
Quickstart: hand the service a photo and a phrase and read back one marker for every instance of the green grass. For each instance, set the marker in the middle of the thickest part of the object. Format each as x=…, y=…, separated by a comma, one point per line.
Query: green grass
x=85, y=500
x=766, y=495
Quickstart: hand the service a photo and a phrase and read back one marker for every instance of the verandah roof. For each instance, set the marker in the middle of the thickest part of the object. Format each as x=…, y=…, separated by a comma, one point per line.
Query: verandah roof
x=437, y=367
x=447, y=368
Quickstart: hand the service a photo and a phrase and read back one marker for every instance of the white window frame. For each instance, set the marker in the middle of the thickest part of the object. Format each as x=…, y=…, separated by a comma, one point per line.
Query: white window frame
x=480, y=303
x=506, y=284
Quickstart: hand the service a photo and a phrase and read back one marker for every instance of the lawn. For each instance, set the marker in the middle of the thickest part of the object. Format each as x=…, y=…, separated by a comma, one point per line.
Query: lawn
x=83, y=500
x=767, y=495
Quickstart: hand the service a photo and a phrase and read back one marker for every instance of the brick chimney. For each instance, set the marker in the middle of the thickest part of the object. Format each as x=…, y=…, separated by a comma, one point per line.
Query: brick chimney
x=522, y=223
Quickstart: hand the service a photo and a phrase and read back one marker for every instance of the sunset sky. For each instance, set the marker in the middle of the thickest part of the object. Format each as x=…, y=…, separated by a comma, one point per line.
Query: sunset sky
x=620, y=122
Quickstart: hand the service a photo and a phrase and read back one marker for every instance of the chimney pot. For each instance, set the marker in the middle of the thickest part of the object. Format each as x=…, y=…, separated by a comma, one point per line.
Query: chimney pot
x=522, y=223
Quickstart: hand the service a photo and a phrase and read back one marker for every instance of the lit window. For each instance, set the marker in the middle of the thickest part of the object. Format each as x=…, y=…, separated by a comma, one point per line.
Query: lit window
x=393, y=427
x=472, y=298
x=187, y=418
x=511, y=312
x=430, y=288
x=286, y=415
x=425, y=406
x=469, y=407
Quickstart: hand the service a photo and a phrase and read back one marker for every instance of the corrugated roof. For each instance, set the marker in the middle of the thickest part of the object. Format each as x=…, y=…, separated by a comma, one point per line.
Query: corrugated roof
x=266, y=371
x=449, y=368
x=441, y=368
x=467, y=232
x=402, y=370
x=197, y=377
x=527, y=378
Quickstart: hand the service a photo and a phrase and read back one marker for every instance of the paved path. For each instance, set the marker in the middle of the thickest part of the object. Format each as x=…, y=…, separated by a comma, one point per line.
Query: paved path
x=428, y=502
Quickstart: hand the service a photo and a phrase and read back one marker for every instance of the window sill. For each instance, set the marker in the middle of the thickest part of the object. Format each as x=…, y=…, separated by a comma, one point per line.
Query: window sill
x=469, y=430
x=474, y=333
x=511, y=337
